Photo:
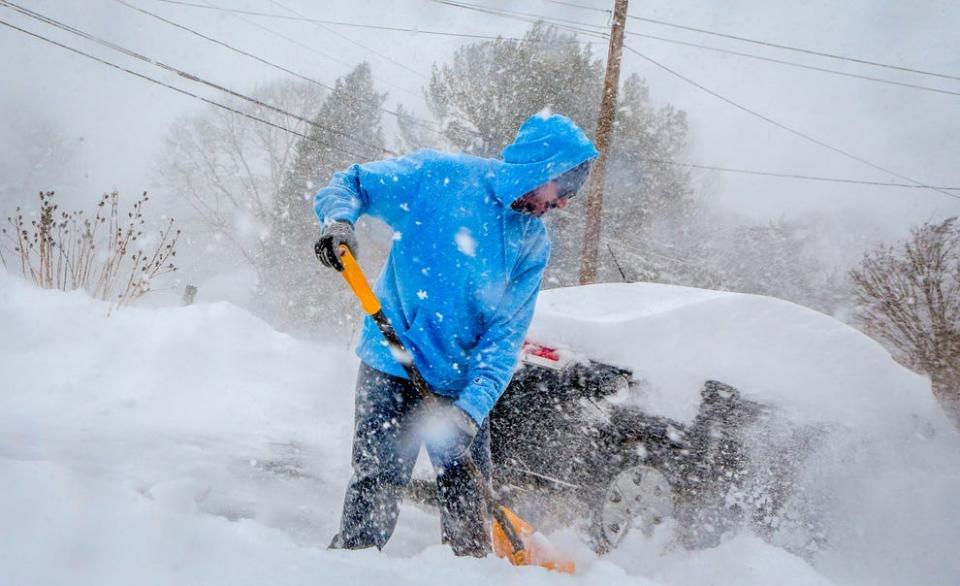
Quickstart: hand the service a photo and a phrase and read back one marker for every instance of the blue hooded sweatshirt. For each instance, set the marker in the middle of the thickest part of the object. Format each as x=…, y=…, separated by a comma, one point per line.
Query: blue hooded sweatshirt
x=462, y=277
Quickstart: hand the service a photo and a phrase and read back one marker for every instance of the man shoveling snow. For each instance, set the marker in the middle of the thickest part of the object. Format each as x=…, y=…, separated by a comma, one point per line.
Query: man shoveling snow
x=459, y=287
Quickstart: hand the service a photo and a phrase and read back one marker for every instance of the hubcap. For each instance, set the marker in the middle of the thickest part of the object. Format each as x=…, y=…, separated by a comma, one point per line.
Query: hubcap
x=639, y=495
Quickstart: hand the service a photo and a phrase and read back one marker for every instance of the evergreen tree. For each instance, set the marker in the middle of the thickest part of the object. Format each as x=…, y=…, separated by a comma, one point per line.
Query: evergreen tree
x=415, y=133
x=493, y=86
x=649, y=209
x=775, y=259
x=651, y=191
x=296, y=292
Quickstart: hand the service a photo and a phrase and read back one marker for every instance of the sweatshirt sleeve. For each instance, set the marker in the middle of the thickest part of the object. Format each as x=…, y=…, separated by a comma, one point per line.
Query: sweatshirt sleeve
x=381, y=189
x=497, y=351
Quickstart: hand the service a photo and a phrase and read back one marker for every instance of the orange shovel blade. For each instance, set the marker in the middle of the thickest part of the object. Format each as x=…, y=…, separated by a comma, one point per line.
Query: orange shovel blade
x=536, y=551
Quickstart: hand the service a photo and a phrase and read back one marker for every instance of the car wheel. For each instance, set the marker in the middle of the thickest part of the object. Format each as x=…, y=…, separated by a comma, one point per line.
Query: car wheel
x=639, y=495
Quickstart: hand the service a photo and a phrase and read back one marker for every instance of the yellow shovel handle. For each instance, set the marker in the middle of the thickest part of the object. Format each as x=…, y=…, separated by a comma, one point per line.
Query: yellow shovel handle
x=353, y=275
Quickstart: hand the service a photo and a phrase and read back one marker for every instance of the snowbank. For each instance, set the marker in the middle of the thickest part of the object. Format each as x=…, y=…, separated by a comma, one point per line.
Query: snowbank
x=196, y=445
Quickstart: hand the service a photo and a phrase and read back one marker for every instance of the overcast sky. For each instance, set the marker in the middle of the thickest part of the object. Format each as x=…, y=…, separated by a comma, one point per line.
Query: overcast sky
x=122, y=119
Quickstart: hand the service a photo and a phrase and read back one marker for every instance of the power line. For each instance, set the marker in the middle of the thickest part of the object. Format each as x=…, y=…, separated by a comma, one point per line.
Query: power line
x=426, y=124
x=527, y=15
x=799, y=65
x=797, y=49
x=795, y=175
x=725, y=99
x=482, y=36
x=302, y=18
x=506, y=13
x=563, y=24
x=236, y=12
x=164, y=84
x=223, y=44
x=759, y=42
x=807, y=137
x=603, y=10
x=793, y=131
x=380, y=27
x=239, y=15
x=430, y=126
x=330, y=22
x=185, y=75
x=358, y=44
x=515, y=13
x=304, y=136
x=913, y=185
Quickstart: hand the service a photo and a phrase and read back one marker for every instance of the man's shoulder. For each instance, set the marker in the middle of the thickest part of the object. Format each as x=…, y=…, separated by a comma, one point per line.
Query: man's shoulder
x=431, y=158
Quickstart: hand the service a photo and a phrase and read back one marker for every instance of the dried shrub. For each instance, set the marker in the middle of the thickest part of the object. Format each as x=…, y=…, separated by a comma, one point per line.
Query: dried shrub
x=105, y=254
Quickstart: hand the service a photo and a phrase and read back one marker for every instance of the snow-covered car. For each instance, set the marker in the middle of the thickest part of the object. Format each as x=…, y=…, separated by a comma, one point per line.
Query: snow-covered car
x=569, y=449
x=561, y=441
x=641, y=403
x=767, y=446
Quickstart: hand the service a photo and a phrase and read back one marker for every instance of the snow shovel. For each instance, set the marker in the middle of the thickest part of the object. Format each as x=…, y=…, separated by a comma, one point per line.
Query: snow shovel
x=513, y=538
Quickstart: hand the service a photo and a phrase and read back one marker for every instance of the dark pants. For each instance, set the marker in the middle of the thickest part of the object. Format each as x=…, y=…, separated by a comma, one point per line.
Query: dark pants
x=386, y=441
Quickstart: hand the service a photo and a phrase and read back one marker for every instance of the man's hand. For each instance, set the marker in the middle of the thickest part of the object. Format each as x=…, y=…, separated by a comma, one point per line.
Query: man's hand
x=328, y=247
x=451, y=432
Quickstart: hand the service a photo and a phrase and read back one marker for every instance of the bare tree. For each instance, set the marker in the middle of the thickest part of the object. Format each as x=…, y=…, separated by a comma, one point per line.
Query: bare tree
x=230, y=168
x=910, y=298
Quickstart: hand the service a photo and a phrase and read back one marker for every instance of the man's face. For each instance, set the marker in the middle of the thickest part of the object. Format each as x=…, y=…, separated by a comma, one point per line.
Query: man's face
x=556, y=193
x=540, y=200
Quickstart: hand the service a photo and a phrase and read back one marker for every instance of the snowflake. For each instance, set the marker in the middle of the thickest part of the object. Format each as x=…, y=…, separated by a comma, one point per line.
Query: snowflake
x=465, y=242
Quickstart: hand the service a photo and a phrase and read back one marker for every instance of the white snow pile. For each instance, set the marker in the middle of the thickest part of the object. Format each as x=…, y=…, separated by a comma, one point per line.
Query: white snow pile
x=197, y=445
x=814, y=368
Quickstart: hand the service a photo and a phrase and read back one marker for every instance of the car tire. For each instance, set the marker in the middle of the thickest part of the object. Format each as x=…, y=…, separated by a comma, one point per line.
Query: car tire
x=638, y=496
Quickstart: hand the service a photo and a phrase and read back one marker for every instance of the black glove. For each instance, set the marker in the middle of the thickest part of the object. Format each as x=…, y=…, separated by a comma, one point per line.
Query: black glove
x=328, y=247
x=453, y=432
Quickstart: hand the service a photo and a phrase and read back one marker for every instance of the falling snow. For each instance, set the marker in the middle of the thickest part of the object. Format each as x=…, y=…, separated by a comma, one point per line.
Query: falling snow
x=465, y=242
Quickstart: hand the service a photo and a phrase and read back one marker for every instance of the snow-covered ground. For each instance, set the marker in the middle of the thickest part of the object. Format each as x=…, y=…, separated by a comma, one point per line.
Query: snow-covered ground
x=197, y=445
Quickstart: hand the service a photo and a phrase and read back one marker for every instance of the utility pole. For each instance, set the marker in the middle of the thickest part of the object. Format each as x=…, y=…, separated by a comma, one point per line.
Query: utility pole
x=608, y=108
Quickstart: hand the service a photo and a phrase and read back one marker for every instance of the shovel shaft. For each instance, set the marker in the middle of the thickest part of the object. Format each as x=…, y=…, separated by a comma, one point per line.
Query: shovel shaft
x=353, y=275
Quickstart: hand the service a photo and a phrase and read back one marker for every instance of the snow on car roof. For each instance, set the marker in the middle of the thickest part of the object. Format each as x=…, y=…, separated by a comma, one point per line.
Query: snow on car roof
x=809, y=365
